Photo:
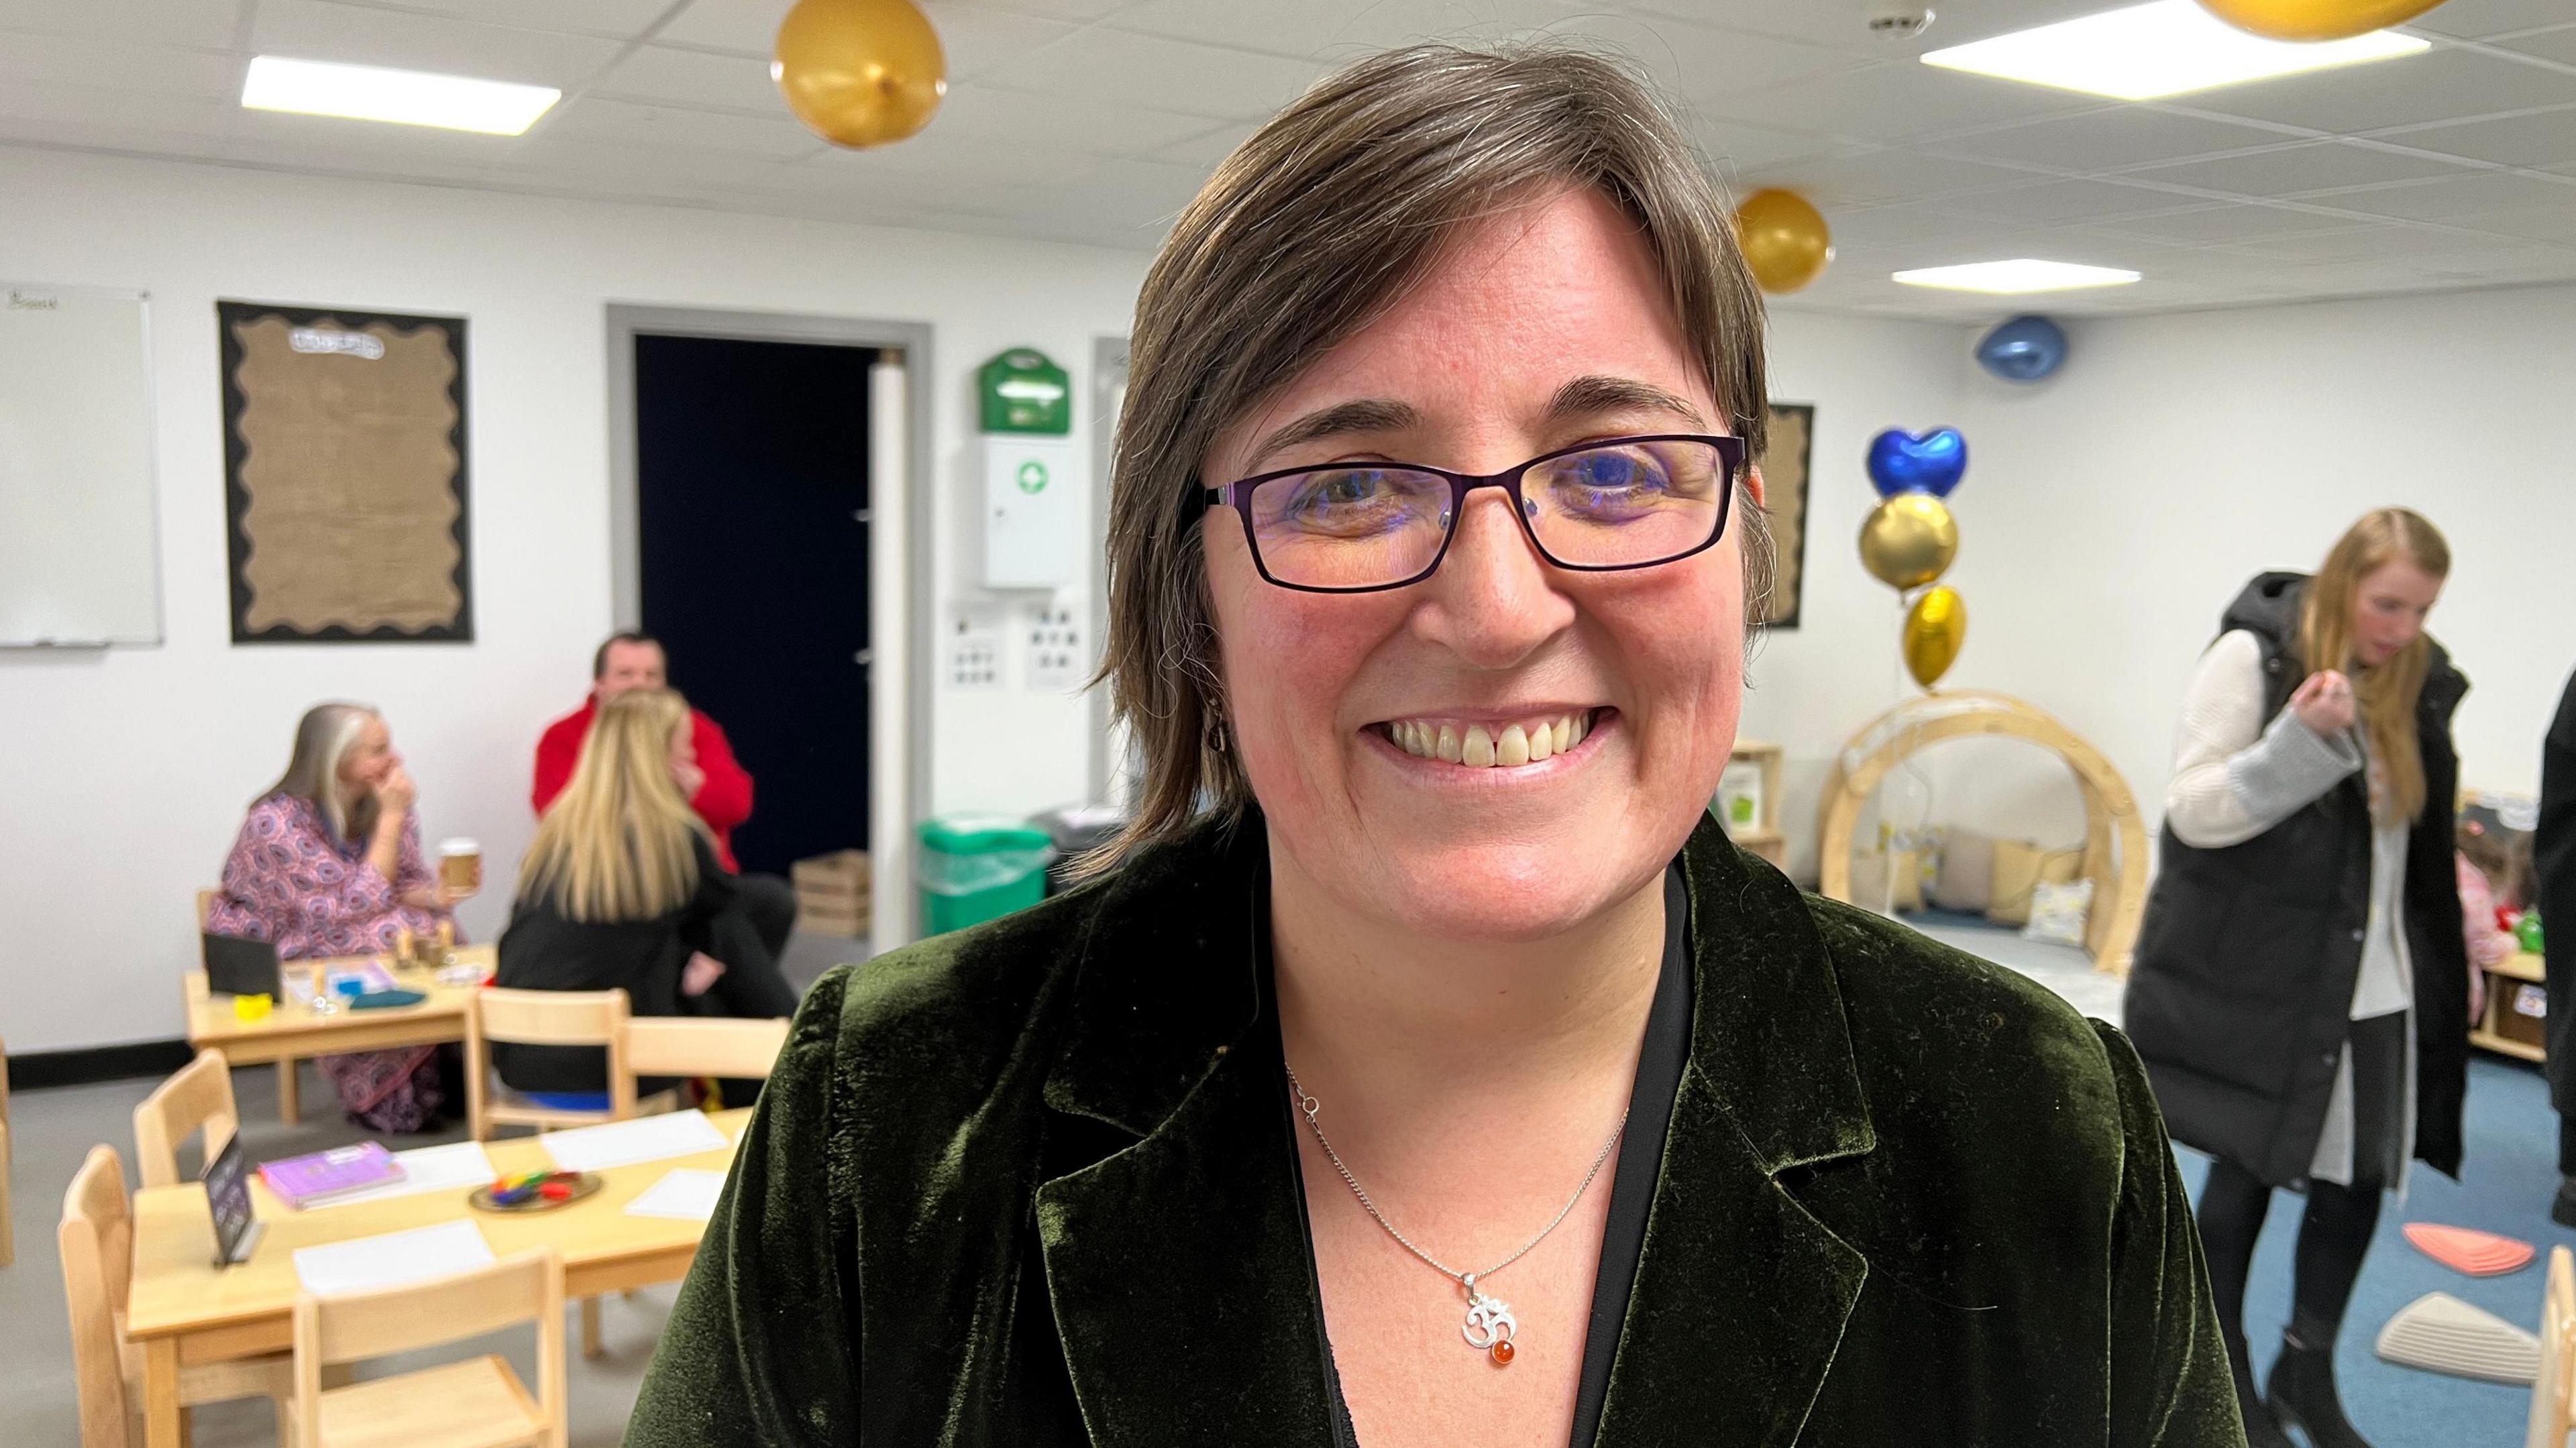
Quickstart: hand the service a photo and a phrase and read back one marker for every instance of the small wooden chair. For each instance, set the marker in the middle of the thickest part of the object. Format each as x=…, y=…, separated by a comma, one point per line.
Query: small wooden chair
x=2552, y=1417
x=478, y=1401
x=199, y=1095
x=97, y=1244
x=594, y=1018
x=550, y=1018
x=703, y=1046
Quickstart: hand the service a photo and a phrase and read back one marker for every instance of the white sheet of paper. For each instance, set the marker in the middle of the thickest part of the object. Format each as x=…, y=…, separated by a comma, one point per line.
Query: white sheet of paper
x=394, y=1259
x=684, y=1194
x=624, y=1143
x=458, y=1166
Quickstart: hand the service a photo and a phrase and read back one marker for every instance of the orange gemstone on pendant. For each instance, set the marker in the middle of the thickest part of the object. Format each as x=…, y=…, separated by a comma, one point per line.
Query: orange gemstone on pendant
x=1502, y=1353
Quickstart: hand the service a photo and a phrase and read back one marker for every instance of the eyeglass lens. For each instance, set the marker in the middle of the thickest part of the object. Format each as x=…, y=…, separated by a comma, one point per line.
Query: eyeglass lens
x=1620, y=505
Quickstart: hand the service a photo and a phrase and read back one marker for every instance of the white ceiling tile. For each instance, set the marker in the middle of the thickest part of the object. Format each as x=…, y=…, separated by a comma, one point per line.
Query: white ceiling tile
x=627, y=123
x=2537, y=138
x=1069, y=121
x=84, y=60
x=1822, y=23
x=1201, y=80
x=1879, y=228
x=2108, y=139
x=623, y=19
x=1701, y=64
x=2544, y=223
x=693, y=77
x=207, y=23
x=750, y=26
x=2225, y=221
x=572, y=157
x=1885, y=175
x=1340, y=29
x=1080, y=12
x=2558, y=45
x=277, y=138
x=2060, y=202
x=125, y=120
x=1897, y=101
x=2520, y=258
x=2439, y=201
x=2304, y=166
x=1736, y=148
x=2437, y=85
x=315, y=30
x=962, y=163
x=2477, y=19
x=978, y=41
x=1207, y=148
x=2359, y=243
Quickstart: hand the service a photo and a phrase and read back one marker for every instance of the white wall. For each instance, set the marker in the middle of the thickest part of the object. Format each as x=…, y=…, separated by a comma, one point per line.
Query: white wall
x=126, y=772
x=2110, y=513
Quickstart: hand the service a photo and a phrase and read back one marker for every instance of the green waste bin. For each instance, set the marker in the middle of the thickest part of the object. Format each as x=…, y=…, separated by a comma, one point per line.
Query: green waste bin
x=974, y=869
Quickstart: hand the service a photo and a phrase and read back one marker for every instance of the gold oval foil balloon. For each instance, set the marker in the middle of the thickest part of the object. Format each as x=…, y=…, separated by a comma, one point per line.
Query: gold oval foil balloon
x=1785, y=239
x=1935, y=627
x=860, y=72
x=1909, y=540
x=2315, y=19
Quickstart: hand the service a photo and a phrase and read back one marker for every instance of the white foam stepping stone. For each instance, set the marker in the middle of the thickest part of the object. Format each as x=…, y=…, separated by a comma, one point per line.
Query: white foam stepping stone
x=2439, y=1333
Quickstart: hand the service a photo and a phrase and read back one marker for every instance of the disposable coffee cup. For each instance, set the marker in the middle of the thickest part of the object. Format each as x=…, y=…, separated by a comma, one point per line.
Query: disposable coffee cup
x=460, y=866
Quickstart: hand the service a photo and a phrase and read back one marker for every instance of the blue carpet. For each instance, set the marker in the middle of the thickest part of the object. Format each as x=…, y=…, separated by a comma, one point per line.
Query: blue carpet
x=2510, y=1174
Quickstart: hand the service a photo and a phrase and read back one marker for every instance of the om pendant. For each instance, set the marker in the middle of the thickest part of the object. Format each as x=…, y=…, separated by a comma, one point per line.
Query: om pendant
x=1489, y=1326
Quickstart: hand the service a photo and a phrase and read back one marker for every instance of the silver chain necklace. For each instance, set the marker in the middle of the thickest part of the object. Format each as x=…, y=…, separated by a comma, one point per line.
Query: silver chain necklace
x=1489, y=1327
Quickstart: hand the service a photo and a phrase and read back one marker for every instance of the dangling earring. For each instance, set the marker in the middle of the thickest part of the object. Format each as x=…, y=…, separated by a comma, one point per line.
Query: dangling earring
x=1213, y=735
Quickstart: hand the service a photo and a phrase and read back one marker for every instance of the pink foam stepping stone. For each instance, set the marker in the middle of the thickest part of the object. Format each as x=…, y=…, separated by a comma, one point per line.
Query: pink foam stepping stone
x=2464, y=1249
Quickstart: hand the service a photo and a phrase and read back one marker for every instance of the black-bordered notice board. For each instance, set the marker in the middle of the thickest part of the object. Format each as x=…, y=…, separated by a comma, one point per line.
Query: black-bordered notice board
x=345, y=494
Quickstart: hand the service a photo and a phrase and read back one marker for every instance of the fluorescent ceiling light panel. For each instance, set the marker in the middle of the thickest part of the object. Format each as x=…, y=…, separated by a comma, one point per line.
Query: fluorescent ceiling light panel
x=2162, y=49
x=405, y=97
x=2021, y=275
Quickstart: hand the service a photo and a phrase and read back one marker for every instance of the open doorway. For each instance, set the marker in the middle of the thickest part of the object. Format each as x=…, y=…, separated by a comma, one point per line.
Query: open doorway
x=752, y=521
x=762, y=527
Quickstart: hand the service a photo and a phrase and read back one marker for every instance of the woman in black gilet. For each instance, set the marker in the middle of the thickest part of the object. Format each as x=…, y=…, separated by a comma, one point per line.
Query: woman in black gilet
x=2300, y=987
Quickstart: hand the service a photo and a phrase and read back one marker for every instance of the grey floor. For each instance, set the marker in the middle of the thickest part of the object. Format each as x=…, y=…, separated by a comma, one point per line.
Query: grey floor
x=54, y=1129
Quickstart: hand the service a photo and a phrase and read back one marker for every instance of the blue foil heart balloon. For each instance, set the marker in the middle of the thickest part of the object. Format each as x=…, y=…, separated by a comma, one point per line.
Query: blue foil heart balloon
x=2024, y=349
x=1904, y=462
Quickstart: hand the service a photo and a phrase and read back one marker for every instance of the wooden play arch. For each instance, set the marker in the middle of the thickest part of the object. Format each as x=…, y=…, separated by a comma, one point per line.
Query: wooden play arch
x=2115, y=839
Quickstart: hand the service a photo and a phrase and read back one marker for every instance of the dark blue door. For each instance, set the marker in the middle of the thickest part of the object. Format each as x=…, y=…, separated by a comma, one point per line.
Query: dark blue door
x=752, y=470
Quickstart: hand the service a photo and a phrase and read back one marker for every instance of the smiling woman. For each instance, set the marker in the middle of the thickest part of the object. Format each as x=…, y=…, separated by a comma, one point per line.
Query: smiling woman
x=1425, y=1065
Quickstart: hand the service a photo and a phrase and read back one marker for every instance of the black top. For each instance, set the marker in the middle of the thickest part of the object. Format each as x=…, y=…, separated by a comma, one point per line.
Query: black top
x=1641, y=1153
x=544, y=950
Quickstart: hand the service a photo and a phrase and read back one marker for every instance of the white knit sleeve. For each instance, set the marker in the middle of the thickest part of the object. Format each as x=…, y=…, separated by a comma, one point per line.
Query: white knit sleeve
x=2233, y=778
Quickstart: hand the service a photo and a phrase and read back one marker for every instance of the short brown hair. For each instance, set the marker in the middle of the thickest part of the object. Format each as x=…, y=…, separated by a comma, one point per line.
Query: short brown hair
x=599, y=657
x=1312, y=229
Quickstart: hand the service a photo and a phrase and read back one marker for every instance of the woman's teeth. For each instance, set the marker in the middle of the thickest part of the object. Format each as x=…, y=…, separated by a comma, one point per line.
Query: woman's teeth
x=1477, y=747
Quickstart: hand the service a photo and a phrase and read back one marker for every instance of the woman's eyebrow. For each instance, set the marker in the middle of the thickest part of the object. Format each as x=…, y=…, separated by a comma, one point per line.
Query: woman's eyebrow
x=1588, y=397
x=1367, y=414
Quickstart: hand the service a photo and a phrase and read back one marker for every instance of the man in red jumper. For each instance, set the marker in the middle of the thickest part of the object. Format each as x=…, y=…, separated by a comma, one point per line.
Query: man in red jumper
x=717, y=786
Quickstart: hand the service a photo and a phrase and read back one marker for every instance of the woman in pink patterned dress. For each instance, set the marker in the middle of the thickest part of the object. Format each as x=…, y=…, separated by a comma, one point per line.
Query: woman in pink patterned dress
x=329, y=863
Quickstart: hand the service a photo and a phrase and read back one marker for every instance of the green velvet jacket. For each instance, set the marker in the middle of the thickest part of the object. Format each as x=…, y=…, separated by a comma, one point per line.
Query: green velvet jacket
x=1034, y=1184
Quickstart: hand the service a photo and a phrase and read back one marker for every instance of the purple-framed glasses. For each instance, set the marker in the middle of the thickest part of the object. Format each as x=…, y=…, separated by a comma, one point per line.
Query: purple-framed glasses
x=1597, y=507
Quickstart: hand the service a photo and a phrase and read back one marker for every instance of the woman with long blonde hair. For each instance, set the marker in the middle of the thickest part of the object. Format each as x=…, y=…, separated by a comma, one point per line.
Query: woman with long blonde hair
x=622, y=888
x=2300, y=988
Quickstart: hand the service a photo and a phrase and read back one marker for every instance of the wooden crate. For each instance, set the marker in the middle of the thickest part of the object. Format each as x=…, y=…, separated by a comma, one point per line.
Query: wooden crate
x=2504, y=1029
x=835, y=893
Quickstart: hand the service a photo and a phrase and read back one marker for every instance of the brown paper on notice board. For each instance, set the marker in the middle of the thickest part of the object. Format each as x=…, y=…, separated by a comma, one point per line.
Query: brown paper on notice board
x=1784, y=488
x=349, y=478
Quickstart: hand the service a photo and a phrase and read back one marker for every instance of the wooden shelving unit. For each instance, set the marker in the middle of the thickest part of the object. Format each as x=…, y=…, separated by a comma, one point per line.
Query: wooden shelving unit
x=2503, y=978
x=1763, y=836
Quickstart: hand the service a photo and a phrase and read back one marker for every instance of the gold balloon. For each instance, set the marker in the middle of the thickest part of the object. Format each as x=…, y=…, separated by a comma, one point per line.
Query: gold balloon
x=1785, y=240
x=2315, y=19
x=1909, y=540
x=1935, y=627
x=860, y=72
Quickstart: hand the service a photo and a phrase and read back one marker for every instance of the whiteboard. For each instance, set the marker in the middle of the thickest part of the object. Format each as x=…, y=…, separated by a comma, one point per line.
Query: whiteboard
x=79, y=532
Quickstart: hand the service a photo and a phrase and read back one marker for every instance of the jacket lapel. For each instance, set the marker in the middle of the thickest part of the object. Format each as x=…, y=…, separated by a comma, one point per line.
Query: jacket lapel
x=1741, y=1295
x=1177, y=1267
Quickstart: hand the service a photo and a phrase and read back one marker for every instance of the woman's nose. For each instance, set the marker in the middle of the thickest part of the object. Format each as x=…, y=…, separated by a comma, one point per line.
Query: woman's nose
x=1494, y=599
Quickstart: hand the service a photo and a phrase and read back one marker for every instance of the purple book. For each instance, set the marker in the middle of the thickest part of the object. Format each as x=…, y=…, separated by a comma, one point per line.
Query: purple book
x=302, y=1181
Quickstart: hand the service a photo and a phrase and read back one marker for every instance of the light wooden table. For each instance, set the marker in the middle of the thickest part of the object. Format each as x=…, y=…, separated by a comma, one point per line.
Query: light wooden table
x=184, y=1310
x=292, y=1032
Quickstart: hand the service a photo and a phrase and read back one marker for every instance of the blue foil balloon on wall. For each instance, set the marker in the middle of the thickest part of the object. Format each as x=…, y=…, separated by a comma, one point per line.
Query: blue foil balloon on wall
x=2024, y=349
x=1931, y=462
